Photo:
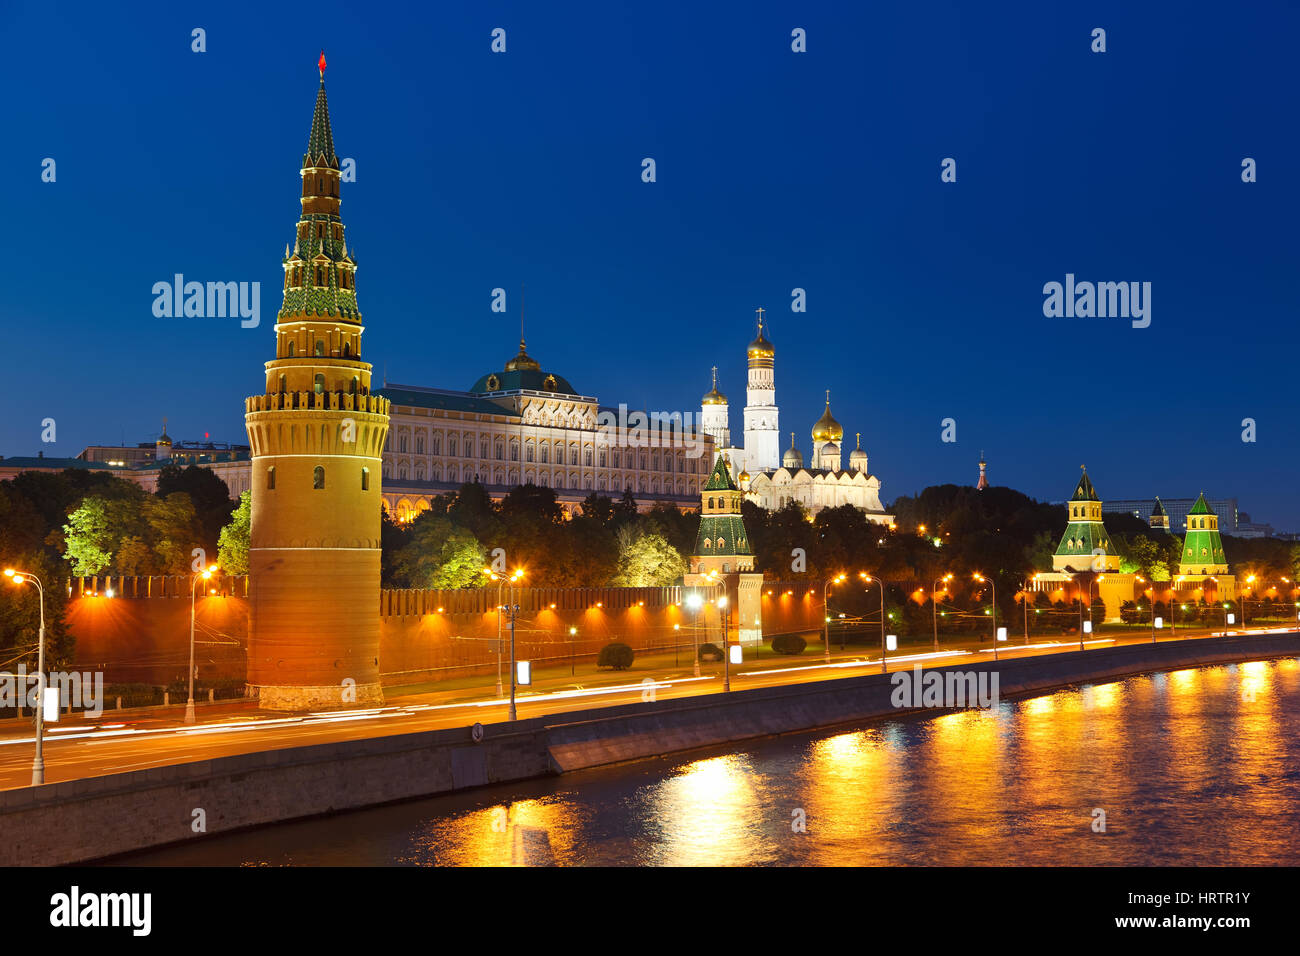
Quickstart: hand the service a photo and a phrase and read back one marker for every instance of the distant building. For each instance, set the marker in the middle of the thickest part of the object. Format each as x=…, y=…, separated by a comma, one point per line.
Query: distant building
x=1177, y=509
x=984, y=478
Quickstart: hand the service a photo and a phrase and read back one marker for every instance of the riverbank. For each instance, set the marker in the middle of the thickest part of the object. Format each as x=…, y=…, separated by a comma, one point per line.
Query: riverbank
x=102, y=816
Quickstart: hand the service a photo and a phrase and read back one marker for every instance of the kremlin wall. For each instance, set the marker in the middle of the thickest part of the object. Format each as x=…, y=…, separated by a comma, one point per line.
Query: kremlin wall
x=141, y=633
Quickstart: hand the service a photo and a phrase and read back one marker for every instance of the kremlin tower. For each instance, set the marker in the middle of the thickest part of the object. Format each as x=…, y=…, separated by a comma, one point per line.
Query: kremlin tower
x=316, y=434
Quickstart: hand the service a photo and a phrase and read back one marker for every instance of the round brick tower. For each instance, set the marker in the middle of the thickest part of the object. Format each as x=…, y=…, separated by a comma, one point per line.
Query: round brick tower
x=317, y=434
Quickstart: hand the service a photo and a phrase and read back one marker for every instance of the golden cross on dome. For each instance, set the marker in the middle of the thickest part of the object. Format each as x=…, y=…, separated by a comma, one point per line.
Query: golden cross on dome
x=760, y=311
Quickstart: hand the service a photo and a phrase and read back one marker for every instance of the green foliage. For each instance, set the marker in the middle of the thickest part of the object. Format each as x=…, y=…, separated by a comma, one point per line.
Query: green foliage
x=616, y=655
x=438, y=554
x=209, y=495
x=233, y=540
x=132, y=533
x=91, y=537
x=788, y=644
x=647, y=560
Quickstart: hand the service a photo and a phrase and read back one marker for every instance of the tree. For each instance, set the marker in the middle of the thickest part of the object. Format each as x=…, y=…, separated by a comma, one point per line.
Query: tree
x=91, y=540
x=209, y=494
x=174, y=531
x=647, y=560
x=234, y=538
x=438, y=554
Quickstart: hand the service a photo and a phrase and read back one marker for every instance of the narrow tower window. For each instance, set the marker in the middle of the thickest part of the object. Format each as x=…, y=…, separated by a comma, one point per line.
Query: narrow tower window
x=365, y=479
x=318, y=478
x=320, y=383
x=270, y=478
x=320, y=348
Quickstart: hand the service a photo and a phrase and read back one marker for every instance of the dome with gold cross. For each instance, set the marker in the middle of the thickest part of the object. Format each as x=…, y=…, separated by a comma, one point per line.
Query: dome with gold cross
x=713, y=396
x=827, y=428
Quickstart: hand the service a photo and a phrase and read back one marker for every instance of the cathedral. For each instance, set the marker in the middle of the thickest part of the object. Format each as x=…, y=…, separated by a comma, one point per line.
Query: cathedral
x=771, y=479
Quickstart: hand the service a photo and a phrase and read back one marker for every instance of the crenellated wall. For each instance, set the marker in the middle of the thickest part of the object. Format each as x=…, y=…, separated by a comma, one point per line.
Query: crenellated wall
x=141, y=634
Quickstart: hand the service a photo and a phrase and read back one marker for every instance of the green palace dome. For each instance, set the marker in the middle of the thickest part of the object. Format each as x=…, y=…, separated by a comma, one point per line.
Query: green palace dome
x=523, y=372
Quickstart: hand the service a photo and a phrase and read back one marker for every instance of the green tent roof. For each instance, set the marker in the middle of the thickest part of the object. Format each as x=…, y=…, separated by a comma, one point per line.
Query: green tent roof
x=1158, y=510
x=720, y=477
x=1084, y=490
x=1200, y=508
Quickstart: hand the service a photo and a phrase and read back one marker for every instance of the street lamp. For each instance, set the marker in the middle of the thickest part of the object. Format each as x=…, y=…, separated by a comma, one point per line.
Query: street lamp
x=1025, y=603
x=934, y=606
x=38, y=762
x=693, y=601
x=1250, y=579
x=866, y=577
x=726, y=646
x=203, y=575
x=514, y=614
x=826, y=609
x=979, y=577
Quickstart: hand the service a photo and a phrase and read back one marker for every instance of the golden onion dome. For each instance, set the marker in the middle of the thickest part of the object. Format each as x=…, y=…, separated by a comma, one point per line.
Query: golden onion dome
x=827, y=428
x=761, y=347
x=713, y=396
x=523, y=360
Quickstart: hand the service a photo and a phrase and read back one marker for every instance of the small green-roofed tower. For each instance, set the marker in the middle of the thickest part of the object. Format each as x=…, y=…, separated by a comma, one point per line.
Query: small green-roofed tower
x=721, y=544
x=1203, y=547
x=1086, y=545
x=1159, y=520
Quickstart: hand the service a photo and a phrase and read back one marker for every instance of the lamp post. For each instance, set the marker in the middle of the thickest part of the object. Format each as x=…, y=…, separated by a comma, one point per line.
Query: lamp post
x=826, y=611
x=934, y=606
x=38, y=762
x=884, y=669
x=1250, y=579
x=493, y=576
x=573, y=631
x=513, y=611
x=203, y=575
x=1025, y=603
x=1173, y=596
x=979, y=577
x=693, y=601
x=725, y=612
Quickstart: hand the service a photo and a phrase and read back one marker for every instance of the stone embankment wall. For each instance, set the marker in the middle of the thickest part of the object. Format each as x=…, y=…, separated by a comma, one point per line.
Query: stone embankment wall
x=101, y=816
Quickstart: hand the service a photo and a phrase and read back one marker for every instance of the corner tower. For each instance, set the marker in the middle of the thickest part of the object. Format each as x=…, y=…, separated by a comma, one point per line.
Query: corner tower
x=317, y=434
x=724, y=559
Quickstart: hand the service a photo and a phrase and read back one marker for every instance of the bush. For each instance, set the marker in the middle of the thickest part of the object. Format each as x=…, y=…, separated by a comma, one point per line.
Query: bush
x=710, y=652
x=616, y=655
x=789, y=644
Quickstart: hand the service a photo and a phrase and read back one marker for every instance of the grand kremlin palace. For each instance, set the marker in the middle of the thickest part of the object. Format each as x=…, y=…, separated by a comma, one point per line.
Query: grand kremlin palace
x=526, y=425
x=514, y=426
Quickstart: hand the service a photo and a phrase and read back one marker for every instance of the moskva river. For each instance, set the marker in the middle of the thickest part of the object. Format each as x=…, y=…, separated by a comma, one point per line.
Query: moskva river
x=1196, y=766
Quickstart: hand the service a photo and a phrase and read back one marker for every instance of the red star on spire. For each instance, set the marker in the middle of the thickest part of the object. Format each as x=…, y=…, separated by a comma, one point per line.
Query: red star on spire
x=321, y=64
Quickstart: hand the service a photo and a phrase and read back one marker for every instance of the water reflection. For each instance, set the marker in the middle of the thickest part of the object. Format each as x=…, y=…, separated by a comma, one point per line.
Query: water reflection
x=1199, y=766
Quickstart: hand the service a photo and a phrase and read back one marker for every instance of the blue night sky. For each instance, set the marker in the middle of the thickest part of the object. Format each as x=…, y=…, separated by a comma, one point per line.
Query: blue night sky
x=776, y=170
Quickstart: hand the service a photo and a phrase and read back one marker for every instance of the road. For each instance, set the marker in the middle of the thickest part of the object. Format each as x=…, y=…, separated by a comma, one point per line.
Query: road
x=126, y=740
